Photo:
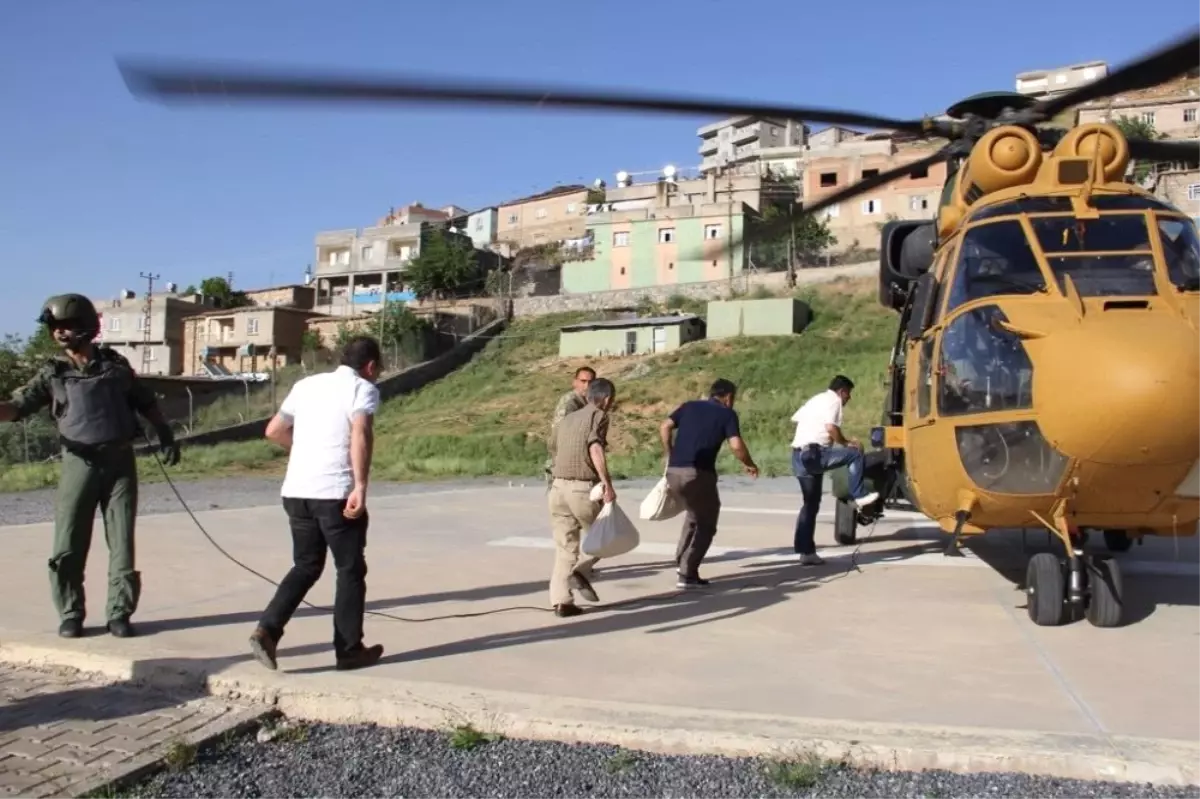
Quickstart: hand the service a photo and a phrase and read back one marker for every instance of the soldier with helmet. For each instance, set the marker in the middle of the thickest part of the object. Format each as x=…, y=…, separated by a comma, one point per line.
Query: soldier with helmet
x=94, y=395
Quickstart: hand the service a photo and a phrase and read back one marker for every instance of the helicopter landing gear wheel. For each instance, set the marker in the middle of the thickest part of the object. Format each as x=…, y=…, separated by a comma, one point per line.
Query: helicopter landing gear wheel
x=1046, y=590
x=1117, y=540
x=1106, y=592
x=845, y=522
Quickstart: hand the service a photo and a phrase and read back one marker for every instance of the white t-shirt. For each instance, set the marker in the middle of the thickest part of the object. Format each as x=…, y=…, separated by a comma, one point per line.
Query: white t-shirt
x=825, y=408
x=320, y=408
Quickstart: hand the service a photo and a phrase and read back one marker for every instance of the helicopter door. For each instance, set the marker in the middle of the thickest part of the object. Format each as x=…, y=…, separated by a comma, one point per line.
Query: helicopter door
x=921, y=418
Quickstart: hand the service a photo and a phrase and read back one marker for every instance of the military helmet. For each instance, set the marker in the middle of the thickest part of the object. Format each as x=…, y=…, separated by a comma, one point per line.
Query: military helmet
x=71, y=310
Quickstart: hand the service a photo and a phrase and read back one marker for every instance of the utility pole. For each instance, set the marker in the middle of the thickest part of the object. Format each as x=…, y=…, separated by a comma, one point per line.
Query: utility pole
x=729, y=217
x=791, y=249
x=146, y=317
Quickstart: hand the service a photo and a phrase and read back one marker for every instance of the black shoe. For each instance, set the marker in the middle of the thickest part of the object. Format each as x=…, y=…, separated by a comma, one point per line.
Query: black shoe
x=263, y=646
x=360, y=659
x=581, y=584
x=71, y=628
x=121, y=628
x=689, y=583
x=564, y=611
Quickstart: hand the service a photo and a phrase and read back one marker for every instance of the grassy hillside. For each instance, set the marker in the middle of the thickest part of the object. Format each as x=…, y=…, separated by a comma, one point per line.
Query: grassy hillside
x=490, y=418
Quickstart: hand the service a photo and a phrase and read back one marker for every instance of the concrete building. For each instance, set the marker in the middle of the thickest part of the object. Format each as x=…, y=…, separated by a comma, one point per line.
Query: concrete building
x=636, y=336
x=711, y=188
x=1180, y=187
x=550, y=216
x=414, y=213
x=1171, y=108
x=481, y=227
x=848, y=160
x=352, y=265
x=158, y=351
x=742, y=140
x=660, y=245
x=244, y=339
x=1048, y=82
x=771, y=317
x=296, y=296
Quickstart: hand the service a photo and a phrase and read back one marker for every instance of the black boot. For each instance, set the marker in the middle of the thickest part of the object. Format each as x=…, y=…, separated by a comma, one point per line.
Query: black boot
x=121, y=628
x=71, y=628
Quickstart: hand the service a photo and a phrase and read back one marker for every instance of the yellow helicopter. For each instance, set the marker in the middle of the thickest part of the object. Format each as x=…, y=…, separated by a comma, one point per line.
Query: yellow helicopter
x=1046, y=370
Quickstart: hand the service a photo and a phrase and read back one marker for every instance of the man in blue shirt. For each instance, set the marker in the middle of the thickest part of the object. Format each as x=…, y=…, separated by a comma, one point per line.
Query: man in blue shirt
x=701, y=427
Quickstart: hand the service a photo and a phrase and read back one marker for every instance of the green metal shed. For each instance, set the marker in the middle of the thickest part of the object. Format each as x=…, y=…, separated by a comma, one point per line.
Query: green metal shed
x=633, y=336
x=774, y=317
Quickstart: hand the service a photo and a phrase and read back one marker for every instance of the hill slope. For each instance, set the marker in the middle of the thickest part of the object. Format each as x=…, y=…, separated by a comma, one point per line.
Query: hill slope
x=491, y=416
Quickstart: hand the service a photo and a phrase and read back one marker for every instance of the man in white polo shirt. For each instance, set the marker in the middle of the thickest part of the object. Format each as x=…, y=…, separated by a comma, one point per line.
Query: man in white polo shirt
x=817, y=447
x=327, y=424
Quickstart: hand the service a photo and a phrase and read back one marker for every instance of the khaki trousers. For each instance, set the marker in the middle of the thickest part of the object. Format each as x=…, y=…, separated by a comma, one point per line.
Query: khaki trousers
x=571, y=512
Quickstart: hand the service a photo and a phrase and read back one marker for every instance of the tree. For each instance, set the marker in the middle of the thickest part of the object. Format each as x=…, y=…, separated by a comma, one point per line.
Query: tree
x=443, y=266
x=811, y=237
x=219, y=288
x=1139, y=128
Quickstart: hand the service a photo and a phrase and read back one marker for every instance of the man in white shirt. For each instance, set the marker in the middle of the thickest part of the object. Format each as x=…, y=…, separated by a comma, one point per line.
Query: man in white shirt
x=326, y=422
x=817, y=447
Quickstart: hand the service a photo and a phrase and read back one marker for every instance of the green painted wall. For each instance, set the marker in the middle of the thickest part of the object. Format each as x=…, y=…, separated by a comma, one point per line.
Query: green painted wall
x=586, y=343
x=581, y=277
x=776, y=317
x=643, y=240
x=690, y=233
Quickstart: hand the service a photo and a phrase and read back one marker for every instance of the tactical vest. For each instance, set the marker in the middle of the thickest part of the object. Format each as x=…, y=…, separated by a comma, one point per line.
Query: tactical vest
x=92, y=408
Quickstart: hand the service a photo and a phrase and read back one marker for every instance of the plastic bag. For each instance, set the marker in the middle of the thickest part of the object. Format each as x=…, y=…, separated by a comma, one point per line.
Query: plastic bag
x=612, y=533
x=661, y=503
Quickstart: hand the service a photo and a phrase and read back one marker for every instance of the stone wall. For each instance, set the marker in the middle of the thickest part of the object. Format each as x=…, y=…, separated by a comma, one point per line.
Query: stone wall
x=402, y=382
x=711, y=290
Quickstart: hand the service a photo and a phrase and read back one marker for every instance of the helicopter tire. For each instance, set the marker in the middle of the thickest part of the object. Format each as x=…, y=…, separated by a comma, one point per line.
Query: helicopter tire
x=1117, y=540
x=845, y=522
x=1105, y=592
x=1045, y=589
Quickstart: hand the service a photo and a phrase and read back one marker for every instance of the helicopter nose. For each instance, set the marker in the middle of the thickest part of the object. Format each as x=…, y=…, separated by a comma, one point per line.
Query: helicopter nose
x=1121, y=389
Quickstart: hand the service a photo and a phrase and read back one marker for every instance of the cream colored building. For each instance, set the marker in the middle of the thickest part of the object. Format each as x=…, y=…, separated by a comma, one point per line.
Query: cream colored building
x=554, y=215
x=156, y=349
x=1172, y=108
x=244, y=339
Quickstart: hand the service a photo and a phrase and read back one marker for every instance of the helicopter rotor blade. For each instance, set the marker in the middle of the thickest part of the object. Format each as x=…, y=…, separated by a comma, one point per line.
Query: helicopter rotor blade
x=1187, y=152
x=185, y=82
x=1154, y=68
x=781, y=224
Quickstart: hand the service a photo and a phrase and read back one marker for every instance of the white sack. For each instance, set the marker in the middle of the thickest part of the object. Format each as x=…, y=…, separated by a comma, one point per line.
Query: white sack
x=661, y=503
x=612, y=533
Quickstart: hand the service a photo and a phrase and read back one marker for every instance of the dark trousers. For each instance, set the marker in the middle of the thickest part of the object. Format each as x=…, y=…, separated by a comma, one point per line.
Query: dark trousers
x=803, y=541
x=698, y=489
x=317, y=525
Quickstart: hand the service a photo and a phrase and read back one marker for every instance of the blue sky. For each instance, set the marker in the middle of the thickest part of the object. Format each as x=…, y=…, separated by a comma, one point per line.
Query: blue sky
x=96, y=186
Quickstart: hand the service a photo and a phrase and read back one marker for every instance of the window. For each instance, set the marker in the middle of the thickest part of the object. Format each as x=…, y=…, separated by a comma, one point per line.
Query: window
x=774, y=131
x=1105, y=257
x=541, y=213
x=512, y=220
x=1009, y=458
x=870, y=173
x=982, y=367
x=712, y=232
x=571, y=208
x=1193, y=191
x=828, y=179
x=925, y=379
x=1181, y=249
x=666, y=235
x=918, y=203
x=833, y=211
x=1147, y=117
x=478, y=225
x=1189, y=115
x=114, y=324
x=994, y=259
x=251, y=327
x=871, y=206
x=918, y=174
x=141, y=325
x=621, y=238
x=367, y=252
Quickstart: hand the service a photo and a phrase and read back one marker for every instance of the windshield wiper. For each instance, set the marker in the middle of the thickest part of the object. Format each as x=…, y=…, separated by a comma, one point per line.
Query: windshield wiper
x=1013, y=282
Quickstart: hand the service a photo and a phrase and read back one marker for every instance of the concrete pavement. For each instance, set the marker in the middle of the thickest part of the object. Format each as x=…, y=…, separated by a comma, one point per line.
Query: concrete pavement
x=896, y=655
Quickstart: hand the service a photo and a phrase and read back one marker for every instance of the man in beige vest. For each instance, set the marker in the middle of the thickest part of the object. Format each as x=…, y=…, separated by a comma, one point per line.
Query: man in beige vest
x=570, y=402
x=579, y=443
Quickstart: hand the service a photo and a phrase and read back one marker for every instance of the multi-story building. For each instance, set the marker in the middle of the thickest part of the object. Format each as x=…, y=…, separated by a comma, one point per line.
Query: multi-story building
x=553, y=215
x=747, y=140
x=157, y=350
x=415, y=212
x=1042, y=83
x=1171, y=108
x=296, y=296
x=673, y=189
x=661, y=244
x=352, y=265
x=479, y=225
x=1180, y=187
x=848, y=160
x=244, y=339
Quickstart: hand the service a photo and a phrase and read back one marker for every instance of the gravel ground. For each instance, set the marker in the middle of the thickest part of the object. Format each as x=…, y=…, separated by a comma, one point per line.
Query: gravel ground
x=32, y=507
x=326, y=760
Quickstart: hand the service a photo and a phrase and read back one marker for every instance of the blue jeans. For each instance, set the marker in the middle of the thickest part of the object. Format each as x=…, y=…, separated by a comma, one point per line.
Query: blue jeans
x=810, y=490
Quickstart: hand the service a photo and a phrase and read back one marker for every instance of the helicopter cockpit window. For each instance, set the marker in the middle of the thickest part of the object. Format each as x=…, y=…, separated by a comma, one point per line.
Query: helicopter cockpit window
x=995, y=259
x=983, y=368
x=1105, y=257
x=1181, y=248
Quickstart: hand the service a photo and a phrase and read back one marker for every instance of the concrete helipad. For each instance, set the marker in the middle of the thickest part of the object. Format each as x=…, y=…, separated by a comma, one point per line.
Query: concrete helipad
x=894, y=654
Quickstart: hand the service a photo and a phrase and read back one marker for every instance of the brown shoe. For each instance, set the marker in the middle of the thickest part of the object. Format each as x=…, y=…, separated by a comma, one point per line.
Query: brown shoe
x=263, y=647
x=367, y=656
x=570, y=609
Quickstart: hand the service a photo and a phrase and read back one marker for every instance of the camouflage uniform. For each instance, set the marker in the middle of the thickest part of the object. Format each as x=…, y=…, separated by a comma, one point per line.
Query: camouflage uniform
x=567, y=403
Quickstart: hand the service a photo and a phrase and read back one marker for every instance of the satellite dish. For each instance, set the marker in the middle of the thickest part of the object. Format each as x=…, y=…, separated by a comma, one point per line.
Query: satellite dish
x=622, y=178
x=308, y=278
x=172, y=288
x=598, y=183
x=669, y=172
